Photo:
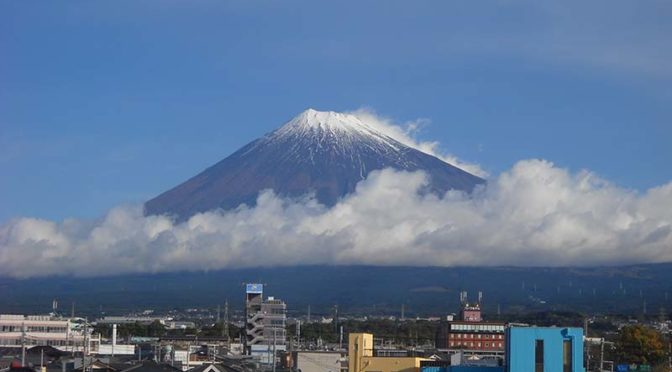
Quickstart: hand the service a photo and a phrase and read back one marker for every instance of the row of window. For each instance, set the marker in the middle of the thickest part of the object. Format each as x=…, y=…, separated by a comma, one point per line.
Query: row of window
x=478, y=336
x=477, y=327
x=29, y=342
x=477, y=344
x=18, y=328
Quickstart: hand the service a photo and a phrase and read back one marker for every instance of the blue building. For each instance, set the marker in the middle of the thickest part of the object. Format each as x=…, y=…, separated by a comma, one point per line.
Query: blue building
x=544, y=349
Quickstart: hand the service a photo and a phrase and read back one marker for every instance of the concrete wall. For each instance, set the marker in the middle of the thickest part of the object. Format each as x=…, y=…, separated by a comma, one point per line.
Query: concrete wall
x=106, y=349
x=313, y=361
x=385, y=364
x=520, y=348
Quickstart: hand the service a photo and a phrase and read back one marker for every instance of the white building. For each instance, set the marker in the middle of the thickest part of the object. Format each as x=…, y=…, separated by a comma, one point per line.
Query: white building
x=32, y=330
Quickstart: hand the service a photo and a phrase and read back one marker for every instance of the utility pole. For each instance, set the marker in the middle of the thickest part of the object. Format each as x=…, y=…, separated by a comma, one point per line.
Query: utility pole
x=23, y=344
x=601, y=354
x=83, y=353
x=340, y=340
x=226, y=322
x=298, y=335
x=273, y=360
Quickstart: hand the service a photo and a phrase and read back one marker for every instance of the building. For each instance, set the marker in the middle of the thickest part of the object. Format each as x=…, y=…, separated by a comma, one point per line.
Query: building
x=470, y=334
x=531, y=349
x=44, y=330
x=130, y=320
x=254, y=327
x=361, y=357
x=544, y=349
x=265, y=324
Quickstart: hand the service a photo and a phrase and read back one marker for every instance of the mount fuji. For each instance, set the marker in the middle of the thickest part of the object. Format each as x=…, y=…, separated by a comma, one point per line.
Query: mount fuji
x=325, y=153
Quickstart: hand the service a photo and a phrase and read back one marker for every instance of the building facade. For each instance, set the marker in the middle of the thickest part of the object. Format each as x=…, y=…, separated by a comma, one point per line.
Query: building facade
x=544, y=349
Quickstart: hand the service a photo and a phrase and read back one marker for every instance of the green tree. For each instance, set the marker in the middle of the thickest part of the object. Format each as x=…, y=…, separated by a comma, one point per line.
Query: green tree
x=640, y=345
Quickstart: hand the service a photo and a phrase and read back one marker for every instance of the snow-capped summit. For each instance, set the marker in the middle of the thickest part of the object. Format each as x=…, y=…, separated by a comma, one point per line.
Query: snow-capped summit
x=321, y=152
x=327, y=121
x=329, y=124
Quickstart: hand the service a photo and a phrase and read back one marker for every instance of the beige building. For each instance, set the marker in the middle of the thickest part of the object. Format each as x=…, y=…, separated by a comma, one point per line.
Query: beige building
x=361, y=359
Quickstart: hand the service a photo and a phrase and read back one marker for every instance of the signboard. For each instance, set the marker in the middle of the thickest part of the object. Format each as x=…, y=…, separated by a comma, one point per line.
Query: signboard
x=255, y=288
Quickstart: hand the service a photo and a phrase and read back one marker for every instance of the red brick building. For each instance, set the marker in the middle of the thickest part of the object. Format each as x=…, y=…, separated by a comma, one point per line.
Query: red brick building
x=470, y=334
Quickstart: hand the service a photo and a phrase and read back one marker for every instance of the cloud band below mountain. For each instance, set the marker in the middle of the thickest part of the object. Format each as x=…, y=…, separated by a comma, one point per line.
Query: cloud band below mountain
x=533, y=214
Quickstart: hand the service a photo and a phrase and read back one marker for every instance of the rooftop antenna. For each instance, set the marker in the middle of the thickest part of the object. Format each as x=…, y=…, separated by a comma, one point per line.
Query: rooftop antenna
x=480, y=297
x=54, y=306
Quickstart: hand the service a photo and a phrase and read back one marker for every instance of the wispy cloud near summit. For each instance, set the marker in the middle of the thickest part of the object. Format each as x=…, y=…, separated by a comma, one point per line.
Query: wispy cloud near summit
x=533, y=214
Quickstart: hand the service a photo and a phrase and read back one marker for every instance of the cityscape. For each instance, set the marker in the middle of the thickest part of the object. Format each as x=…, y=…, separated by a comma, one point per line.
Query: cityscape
x=262, y=337
x=344, y=186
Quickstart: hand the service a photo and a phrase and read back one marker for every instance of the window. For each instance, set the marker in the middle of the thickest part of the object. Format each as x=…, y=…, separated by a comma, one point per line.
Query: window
x=539, y=356
x=567, y=362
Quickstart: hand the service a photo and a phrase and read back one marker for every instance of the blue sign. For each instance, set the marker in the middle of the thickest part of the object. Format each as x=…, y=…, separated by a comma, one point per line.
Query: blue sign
x=255, y=288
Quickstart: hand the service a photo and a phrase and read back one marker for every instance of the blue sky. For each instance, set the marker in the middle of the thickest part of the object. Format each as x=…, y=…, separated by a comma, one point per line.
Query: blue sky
x=111, y=102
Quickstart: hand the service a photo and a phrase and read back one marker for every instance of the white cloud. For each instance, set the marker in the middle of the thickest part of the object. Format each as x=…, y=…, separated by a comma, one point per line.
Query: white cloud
x=533, y=214
x=405, y=133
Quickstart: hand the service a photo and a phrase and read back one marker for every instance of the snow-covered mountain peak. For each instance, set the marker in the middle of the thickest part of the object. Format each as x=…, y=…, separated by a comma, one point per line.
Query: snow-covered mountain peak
x=326, y=120
x=341, y=129
x=323, y=153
